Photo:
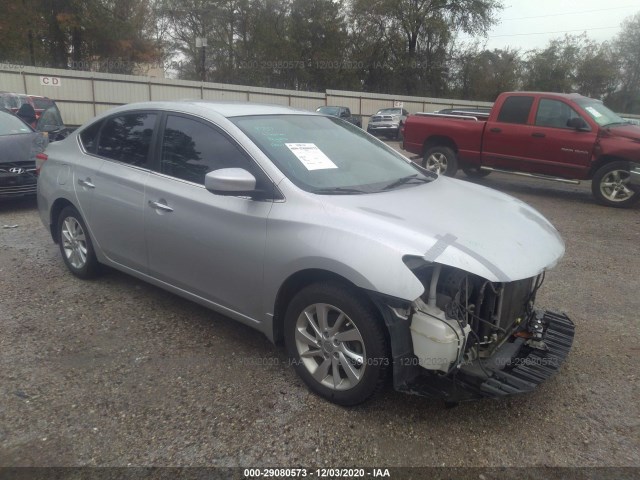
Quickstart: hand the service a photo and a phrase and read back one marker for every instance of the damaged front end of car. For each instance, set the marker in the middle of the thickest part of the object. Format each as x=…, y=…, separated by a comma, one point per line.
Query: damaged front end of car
x=467, y=337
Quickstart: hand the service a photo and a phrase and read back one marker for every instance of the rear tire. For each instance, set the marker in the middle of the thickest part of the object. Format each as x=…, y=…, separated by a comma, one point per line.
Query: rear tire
x=441, y=160
x=75, y=244
x=610, y=185
x=337, y=343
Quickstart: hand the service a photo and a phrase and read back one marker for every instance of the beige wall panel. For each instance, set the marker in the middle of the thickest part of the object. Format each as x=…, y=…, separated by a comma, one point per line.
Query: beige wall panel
x=121, y=93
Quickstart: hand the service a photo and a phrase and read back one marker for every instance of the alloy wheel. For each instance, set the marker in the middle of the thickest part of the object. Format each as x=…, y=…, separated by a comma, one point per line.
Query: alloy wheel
x=330, y=346
x=74, y=242
x=436, y=162
x=614, y=186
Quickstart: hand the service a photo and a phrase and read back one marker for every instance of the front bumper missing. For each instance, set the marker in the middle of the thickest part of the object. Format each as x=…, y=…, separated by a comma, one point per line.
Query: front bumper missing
x=514, y=368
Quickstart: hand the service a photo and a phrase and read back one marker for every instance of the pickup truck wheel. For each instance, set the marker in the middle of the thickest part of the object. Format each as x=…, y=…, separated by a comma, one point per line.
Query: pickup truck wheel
x=336, y=342
x=475, y=172
x=441, y=160
x=610, y=185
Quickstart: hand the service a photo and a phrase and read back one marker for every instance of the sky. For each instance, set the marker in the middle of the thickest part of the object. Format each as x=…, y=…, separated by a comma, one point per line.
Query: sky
x=530, y=24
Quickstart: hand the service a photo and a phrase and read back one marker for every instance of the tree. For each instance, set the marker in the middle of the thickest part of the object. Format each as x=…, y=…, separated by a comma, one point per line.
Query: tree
x=627, y=49
x=426, y=28
x=74, y=33
x=483, y=75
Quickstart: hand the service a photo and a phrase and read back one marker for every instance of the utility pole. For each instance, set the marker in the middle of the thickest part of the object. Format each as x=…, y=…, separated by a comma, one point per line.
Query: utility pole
x=201, y=42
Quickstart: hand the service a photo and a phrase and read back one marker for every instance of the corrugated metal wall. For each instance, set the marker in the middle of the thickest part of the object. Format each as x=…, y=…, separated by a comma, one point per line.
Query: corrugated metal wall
x=82, y=95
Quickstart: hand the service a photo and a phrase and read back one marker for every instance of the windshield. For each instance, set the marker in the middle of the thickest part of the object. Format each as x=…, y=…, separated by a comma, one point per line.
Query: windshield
x=42, y=103
x=389, y=111
x=329, y=156
x=11, y=125
x=601, y=114
x=335, y=111
x=50, y=120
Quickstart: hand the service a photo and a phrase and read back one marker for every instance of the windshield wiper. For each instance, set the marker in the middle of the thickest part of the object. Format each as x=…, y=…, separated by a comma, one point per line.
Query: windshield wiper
x=406, y=180
x=338, y=191
x=616, y=123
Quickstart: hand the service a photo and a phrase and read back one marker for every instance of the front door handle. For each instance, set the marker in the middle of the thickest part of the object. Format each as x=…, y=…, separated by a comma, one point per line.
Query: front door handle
x=160, y=206
x=495, y=130
x=86, y=183
x=538, y=135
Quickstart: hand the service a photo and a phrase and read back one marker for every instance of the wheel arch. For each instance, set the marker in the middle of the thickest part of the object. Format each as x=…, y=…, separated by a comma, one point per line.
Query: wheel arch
x=439, y=140
x=56, y=208
x=295, y=283
x=602, y=161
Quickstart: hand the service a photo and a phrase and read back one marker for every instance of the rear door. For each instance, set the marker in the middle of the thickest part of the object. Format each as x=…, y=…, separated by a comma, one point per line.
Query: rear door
x=117, y=219
x=206, y=244
x=507, y=139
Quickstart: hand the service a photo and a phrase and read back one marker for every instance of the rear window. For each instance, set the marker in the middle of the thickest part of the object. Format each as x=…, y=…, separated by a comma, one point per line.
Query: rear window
x=11, y=125
x=515, y=110
x=89, y=137
x=127, y=138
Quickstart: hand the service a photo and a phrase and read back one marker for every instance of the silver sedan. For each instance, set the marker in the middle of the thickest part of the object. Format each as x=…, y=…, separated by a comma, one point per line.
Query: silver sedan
x=312, y=231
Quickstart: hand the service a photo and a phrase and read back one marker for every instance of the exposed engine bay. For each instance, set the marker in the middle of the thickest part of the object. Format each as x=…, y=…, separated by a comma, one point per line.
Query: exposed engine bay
x=471, y=337
x=481, y=314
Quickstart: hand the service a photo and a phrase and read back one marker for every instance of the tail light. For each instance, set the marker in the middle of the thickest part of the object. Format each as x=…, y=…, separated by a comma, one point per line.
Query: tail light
x=40, y=159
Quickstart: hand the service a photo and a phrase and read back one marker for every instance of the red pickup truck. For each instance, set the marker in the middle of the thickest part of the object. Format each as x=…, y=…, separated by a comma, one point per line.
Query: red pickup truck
x=563, y=137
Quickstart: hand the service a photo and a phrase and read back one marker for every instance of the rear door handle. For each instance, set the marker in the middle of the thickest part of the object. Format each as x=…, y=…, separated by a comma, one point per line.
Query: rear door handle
x=160, y=206
x=495, y=130
x=86, y=183
x=538, y=135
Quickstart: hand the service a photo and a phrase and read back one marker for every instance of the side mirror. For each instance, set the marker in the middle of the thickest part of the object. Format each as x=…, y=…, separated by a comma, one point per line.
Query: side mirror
x=230, y=181
x=577, y=123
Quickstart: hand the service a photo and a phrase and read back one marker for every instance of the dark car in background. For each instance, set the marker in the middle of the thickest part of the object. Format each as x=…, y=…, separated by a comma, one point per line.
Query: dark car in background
x=20, y=148
x=340, y=112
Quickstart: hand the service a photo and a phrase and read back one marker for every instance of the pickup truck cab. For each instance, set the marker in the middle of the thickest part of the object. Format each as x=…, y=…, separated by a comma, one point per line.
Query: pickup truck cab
x=340, y=112
x=562, y=137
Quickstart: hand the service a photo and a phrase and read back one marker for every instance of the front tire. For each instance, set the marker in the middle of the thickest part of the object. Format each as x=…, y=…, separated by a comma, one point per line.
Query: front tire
x=441, y=160
x=610, y=185
x=336, y=341
x=475, y=172
x=75, y=244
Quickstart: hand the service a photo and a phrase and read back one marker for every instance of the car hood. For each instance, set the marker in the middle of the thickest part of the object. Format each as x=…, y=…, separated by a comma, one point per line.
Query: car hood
x=454, y=223
x=626, y=131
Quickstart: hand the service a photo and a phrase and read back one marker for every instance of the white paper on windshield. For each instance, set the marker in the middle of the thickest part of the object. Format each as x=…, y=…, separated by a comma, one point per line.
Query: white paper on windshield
x=311, y=156
x=593, y=112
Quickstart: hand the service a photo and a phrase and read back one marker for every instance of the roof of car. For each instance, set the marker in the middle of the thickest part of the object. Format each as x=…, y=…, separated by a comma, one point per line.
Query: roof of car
x=226, y=109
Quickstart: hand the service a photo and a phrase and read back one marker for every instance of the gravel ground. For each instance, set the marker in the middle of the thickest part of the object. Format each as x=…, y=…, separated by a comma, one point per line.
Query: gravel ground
x=115, y=372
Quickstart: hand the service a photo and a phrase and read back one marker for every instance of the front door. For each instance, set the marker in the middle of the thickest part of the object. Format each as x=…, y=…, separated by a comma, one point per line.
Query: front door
x=557, y=148
x=209, y=245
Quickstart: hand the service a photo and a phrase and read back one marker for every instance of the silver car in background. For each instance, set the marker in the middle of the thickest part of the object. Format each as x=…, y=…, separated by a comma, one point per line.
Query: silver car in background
x=387, y=122
x=306, y=228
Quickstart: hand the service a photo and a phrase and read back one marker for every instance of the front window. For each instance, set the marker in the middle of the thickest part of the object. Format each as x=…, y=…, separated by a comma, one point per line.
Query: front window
x=191, y=149
x=326, y=156
x=554, y=114
x=600, y=114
